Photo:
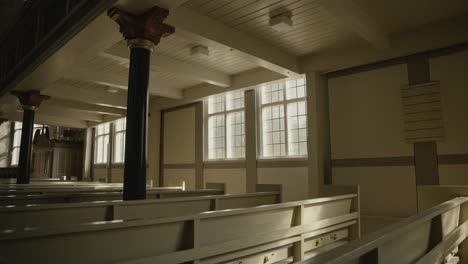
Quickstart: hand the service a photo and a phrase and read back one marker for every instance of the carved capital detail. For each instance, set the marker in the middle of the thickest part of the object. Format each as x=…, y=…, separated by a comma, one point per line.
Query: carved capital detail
x=147, y=26
x=30, y=100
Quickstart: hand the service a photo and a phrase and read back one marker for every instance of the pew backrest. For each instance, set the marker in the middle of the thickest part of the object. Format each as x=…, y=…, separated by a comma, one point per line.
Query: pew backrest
x=97, y=196
x=67, y=189
x=13, y=217
x=425, y=238
x=273, y=232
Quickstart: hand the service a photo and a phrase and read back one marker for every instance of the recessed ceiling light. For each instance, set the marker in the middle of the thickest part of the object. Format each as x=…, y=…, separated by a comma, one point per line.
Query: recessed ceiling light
x=281, y=22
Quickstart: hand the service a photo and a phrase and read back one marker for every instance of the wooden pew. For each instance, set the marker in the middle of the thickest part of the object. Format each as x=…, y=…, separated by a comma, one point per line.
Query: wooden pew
x=334, y=190
x=426, y=238
x=75, y=213
x=78, y=197
x=58, y=190
x=264, y=234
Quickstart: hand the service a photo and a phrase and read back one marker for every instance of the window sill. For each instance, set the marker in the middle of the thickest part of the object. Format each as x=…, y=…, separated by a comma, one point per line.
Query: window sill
x=224, y=161
x=272, y=159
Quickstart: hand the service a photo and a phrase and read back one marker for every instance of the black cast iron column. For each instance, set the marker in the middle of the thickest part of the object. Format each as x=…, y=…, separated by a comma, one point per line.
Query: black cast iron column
x=137, y=120
x=142, y=33
x=30, y=101
x=24, y=162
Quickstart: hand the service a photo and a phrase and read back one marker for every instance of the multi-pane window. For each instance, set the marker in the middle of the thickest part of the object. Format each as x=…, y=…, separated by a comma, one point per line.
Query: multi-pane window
x=284, y=119
x=226, y=126
x=17, y=141
x=119, y=140
x=4, y=144
x=101, y=143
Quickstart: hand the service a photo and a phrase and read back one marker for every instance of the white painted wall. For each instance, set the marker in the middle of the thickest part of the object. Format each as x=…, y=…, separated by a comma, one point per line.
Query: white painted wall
x=117, y=175
x=154, y=127
x=100, y=173
x=385, y=191
x=235, y=179
x=175, y=177
x=366, y=122
x=179, y=136
x=453, y=174
x=293, y=180
x=452, y=73
x=365, y=114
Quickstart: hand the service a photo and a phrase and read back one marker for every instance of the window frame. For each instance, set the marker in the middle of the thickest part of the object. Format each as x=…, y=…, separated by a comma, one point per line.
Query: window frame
x=284, y=103
x=114, y=140
x=13, y=147
x=225, y=112
x=8, y=137
x=107, y=148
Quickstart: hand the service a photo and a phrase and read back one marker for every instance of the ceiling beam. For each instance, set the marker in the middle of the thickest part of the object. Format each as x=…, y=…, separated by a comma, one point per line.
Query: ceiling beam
x=244, y=80
x=440, y=34
x=46, y=120
x=163, y=63
x=67, y=113
x=84, y=107
x=156, y=87
x=354, y=17
x=212, y=33
x=117, y=100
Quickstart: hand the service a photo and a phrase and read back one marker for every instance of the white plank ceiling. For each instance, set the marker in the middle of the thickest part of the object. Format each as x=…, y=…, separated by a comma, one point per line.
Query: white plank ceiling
x=318, y=26
x=313, y=28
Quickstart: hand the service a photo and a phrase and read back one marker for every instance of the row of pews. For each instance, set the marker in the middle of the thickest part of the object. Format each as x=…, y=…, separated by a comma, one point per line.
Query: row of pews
x=437, y=234
x=89, y=223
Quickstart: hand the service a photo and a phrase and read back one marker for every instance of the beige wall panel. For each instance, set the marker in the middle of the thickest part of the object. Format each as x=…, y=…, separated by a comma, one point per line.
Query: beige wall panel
x=453, y=174
x=179, y=136
x=233, y=178
x=385, y=191
x=154, y=125
x=293, y=180
x=451, y=71
x=117, y=175
x=371, y=224
x=100, y=173
x=174, y=177
x=366, y=114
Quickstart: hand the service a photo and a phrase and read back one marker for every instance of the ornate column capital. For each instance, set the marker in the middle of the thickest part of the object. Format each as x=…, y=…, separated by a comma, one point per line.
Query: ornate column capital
x=142, y=31
x=30, y=100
